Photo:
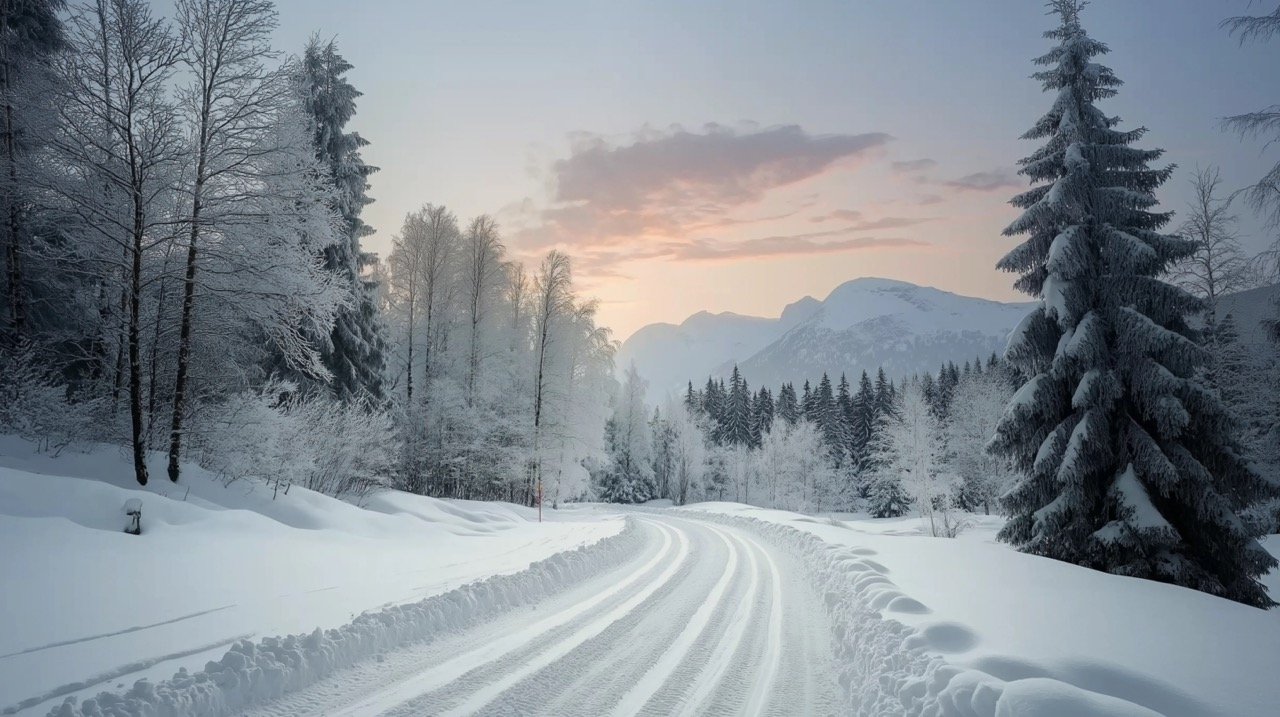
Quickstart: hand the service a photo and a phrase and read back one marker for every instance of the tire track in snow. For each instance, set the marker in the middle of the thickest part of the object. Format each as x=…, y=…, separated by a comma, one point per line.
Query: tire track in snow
x=763, y=686
x=447, y=672
x=589, y=681
x=657, y=675
x=696, y=700
x=549, y=656
x=704, y=619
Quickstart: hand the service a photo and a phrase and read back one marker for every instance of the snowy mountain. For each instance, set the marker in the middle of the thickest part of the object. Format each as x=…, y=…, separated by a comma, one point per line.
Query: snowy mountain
x=668, y=355
x=862, y=324
x=1249, y=309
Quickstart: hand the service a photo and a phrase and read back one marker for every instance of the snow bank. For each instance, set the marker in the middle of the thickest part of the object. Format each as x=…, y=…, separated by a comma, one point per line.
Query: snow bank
x=968, y=628
x=253, y=672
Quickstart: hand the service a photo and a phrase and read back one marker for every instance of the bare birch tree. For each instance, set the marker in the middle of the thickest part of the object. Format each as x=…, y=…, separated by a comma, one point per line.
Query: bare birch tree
x=119, y=132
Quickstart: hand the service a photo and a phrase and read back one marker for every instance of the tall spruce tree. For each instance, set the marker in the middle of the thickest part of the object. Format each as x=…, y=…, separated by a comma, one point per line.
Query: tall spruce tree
x=355, y=353
x=735, y=429
x=788, y=408
x=863, y=421
x=1128, y=461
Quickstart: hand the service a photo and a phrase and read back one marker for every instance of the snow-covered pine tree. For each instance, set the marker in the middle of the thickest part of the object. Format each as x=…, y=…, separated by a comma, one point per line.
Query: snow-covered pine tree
x=788, y=408
x=761, y=416
x=1128, y=461
x=735, y=429
x=355, y=354
x=828, y=420
x=713, y=406
x=886, y=397
x=862, y=421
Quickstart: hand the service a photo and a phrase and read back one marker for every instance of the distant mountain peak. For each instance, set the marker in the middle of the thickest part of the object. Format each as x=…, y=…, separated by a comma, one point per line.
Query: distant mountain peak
x=864, y=323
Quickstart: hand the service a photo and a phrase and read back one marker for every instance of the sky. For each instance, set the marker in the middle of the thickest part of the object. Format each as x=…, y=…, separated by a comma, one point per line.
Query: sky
x=739, y=155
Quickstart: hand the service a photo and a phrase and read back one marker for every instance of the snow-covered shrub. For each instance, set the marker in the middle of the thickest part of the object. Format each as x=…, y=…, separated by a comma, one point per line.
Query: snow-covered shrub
x=251, y=435
x=272, y=434
x=34, y=404
x=351, y=445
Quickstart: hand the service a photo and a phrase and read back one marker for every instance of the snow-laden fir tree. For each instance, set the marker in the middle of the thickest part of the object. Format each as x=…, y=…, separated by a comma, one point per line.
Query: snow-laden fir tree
x=788, y=408
x=735, y=422
x=355, y=354
x=1129, y=463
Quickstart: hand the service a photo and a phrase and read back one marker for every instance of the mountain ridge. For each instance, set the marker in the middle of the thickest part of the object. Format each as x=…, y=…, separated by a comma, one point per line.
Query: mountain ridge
x=863, y=323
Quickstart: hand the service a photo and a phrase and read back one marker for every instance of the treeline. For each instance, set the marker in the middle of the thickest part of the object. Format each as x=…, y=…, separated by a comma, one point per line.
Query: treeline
x=183, y=272
x=838, y=448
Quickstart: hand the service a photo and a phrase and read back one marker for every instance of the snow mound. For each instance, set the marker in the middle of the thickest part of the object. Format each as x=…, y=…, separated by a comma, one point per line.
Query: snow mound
x=254, y=672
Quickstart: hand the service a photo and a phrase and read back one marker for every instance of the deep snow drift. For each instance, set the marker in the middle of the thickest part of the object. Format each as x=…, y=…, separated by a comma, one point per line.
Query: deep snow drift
x=1003, y=633
x=85, y=605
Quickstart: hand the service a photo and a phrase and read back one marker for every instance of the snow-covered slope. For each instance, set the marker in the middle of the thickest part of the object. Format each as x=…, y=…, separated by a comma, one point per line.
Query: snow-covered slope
x=1249, y=309
x=863, y=324
x=85, y=607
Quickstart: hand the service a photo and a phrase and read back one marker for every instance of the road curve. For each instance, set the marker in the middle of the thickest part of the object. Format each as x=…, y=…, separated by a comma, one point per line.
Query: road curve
x=703, y=620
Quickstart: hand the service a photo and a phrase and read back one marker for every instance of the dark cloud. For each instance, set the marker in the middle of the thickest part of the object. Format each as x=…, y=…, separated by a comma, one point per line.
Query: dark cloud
x=911, y=166
x=991, y=181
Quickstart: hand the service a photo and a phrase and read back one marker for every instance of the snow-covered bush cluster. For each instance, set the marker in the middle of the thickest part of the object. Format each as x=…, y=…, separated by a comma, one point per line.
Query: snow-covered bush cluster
x=34, y=404
x=252, y=672
x=277, y=436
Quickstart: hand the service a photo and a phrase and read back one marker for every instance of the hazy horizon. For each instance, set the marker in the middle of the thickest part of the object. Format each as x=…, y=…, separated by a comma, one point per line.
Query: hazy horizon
x=708, y=149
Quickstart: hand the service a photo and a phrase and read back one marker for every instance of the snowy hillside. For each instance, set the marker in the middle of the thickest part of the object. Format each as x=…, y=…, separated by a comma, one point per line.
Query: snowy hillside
x=1249, y=309
x=863, y=324
x=216, y=564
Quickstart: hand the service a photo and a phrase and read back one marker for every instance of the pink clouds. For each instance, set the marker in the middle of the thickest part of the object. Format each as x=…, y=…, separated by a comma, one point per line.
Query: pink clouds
x=666, y=183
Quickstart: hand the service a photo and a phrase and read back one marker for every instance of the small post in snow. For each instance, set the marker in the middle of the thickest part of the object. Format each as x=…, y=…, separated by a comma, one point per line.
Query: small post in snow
x=133, y=516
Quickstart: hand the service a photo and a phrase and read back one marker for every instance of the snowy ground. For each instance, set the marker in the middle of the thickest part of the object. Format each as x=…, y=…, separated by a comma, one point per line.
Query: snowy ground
x=1048, y=637
x=448, y=607
x=84, y=603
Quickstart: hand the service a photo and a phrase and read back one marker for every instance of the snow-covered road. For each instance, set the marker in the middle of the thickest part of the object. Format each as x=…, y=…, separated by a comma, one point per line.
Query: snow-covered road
x=702, y=619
